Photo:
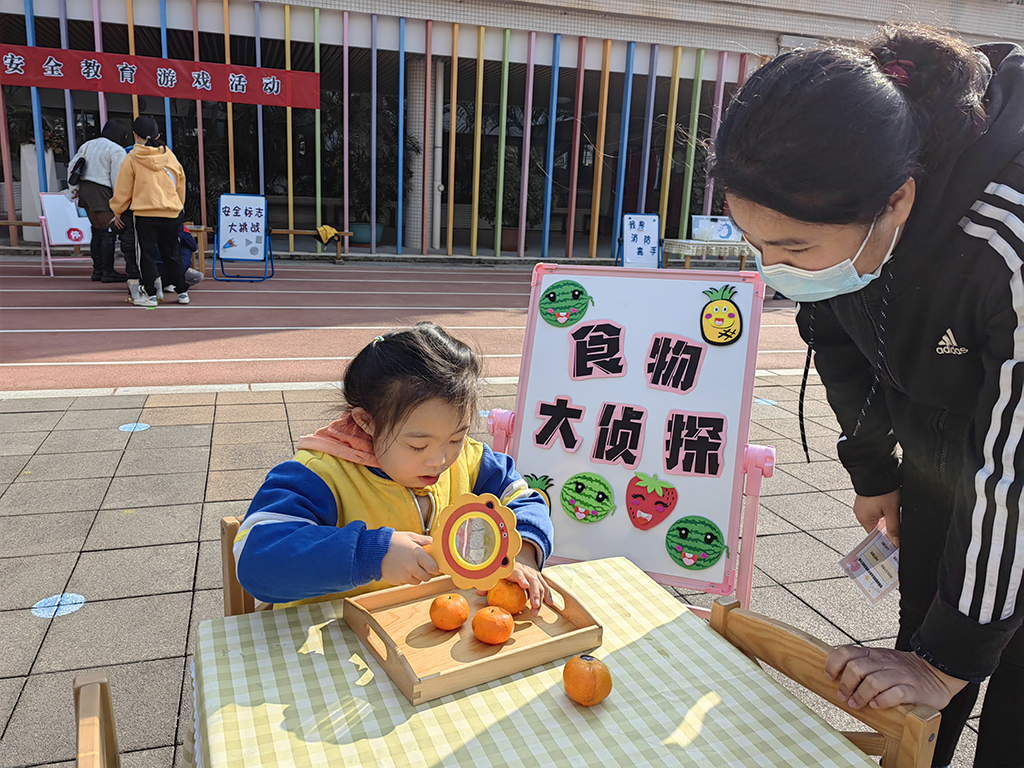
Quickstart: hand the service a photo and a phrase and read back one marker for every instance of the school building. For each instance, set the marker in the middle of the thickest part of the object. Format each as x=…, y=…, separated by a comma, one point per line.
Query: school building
x=446, y=126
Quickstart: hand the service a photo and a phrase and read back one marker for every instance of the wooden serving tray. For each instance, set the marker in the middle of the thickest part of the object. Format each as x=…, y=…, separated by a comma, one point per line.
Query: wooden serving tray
x=426, y=662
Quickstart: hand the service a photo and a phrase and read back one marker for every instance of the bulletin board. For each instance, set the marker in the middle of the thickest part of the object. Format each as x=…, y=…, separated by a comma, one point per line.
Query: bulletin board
x=242, y=228
x=66, y=223
x=633, y=411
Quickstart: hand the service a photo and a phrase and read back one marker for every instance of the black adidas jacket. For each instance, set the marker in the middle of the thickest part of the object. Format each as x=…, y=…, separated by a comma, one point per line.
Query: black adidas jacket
x=942, y=329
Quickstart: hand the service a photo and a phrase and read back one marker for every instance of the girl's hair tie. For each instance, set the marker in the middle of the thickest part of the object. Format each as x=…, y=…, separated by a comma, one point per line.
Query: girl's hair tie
x=377, y=338
x=897, y=71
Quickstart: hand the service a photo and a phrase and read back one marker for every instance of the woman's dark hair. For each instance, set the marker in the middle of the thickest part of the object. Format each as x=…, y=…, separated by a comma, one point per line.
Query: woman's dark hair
x=826, y=136
x=147, y=128
x=117, y=132
x=403, y=369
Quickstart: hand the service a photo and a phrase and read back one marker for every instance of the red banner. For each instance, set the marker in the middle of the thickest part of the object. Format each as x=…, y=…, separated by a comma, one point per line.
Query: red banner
x=114, y=73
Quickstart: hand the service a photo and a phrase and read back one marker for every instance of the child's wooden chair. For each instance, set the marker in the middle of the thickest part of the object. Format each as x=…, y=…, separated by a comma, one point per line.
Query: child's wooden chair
x=904, y=735
x=94, y=716
x=236, y=600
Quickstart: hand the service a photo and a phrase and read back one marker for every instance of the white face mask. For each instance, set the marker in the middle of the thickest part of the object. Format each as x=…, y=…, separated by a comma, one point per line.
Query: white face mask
x=815, y=285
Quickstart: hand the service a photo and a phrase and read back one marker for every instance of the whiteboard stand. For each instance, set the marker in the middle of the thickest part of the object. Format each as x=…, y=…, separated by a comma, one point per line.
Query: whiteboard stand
x=242, y=235
x=758, y=463
x=69, y=228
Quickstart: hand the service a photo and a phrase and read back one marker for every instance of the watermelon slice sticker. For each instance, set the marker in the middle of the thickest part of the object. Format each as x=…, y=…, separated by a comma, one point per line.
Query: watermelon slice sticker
x=695, y=543
x=587, y=497
x=564, y=303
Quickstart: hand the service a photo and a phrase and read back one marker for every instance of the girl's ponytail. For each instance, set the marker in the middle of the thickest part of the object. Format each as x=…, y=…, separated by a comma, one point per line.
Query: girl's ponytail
x=942, y=77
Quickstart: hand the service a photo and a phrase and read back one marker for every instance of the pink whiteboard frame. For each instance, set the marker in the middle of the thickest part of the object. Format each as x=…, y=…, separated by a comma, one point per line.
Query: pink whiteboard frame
x=737, y=451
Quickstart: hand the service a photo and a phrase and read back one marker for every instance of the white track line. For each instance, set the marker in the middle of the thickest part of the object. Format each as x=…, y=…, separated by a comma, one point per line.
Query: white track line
x=262, y=328
x=204, y=362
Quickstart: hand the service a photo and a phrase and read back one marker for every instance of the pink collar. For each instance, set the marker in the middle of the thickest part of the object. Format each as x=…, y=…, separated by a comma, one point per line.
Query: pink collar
x=344, y=439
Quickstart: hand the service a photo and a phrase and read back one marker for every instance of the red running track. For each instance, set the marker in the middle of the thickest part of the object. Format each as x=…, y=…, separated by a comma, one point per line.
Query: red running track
x=302, y=325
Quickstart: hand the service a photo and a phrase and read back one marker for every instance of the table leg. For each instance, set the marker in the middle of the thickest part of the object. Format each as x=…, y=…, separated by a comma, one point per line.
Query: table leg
x=686, y=261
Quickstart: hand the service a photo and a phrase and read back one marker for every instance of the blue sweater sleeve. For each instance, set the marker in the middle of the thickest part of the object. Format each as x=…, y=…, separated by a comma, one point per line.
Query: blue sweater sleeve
x=289, y=546
x=533, y=518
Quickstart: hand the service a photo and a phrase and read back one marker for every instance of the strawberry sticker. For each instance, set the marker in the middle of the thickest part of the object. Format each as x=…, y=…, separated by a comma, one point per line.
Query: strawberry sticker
x=649, y=500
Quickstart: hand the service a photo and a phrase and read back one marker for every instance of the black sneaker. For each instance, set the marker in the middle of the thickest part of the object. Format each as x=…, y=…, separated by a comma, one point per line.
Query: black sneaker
x=114, y=277
x=96, y=276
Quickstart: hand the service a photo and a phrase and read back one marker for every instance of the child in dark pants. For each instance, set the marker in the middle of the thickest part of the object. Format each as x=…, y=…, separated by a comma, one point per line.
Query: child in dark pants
x=151, y=181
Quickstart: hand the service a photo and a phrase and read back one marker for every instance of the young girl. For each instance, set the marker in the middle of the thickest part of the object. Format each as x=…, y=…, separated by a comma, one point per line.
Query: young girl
x=883, y=188
x=352, y=511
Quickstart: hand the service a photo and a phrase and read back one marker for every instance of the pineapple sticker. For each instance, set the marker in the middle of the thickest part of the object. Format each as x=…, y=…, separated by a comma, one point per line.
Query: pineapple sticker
x=720, y=321
x=541, y=484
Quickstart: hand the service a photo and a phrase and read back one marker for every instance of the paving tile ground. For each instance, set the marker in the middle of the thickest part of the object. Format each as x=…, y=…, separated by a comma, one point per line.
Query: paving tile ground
x=131, y=520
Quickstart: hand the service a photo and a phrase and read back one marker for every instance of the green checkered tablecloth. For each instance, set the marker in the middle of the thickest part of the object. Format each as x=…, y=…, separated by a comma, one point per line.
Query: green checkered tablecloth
x=296, y=688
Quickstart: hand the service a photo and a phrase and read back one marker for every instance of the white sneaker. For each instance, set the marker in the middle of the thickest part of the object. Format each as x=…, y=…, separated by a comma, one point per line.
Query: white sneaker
x=159, y=285
x=145, y=300
x=183, y=298
x=193, y=276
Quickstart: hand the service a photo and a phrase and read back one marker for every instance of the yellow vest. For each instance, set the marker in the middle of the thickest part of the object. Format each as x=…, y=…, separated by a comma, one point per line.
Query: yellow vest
x=379, y=502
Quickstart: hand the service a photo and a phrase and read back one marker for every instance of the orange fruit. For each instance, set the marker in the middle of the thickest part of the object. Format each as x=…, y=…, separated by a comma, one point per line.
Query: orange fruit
x=587, y=680
x=508, y=595
x=493, y=625
x=449, y=611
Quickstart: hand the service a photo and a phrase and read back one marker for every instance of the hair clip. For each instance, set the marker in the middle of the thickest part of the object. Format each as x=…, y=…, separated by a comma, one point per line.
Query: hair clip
x=896, y=70
x=377, y=338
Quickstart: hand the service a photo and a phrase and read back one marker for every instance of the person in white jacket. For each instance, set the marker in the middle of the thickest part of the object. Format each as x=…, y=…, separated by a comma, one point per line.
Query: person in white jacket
x=103, y=157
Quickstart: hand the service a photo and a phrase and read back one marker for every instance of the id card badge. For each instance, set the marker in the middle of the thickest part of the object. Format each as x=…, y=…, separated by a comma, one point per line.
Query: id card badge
x=874, y=565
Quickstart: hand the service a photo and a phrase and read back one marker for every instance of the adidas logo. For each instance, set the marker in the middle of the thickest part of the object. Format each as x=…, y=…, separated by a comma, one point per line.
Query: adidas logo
x=948, y=346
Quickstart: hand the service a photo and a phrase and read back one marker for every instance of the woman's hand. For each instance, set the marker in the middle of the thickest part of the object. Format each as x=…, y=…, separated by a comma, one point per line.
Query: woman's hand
x=870, y=509
x=527, y=575
x=883, y=678
x=118, y=223
x=406, y=561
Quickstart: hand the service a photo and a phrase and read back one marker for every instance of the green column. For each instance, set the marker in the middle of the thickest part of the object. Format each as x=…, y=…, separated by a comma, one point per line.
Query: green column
x=691, y=144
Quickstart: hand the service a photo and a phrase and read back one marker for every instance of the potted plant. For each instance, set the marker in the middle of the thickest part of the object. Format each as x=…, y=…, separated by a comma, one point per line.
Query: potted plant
x=359, y=165
x=511, y=194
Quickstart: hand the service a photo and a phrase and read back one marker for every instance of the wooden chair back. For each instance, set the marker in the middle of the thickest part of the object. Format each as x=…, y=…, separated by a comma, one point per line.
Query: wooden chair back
x=904, y=735
x=94, y=718
x=236, y=600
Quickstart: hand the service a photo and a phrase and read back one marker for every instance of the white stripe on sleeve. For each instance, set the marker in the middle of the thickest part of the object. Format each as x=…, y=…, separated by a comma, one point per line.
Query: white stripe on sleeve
x=260, y=518
x=987, y=610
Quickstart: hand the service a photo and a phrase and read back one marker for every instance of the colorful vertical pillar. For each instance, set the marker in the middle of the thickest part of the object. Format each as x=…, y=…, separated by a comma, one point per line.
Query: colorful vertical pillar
x=97, y=39
x=426, y=141
x=527, y=126
x=373, y=133
x=163, y=52
x=549, y=162
x=69, y=110
x=288, y=122
x=577, y=126
x=602, y=119
x=670, y=135
x=259, y=107
x=401, y=131
x=502, y=133
x=199, y=117
x=452, y=119
x=645, y=149
x=316, y=127
x=623, y=158
x=230, y=106
x=131, y=49
x=478, y=108
x=37, y=107
x=344, y=127
x=691, y=144
x=5, y=152
x=716, y=120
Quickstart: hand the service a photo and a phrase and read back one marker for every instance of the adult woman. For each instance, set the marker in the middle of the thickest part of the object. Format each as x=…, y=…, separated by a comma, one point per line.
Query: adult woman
x=103, y=156
x=152, y=183
x=882, y=186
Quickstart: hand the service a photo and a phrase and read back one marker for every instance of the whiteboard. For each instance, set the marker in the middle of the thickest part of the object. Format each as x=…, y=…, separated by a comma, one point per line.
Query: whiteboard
x=66, y=223
x=629, y=371
x=242, y=227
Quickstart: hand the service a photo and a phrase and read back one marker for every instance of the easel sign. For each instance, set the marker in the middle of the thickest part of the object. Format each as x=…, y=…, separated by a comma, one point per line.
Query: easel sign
x=62, y=223
x=242, y=235
x=641, y=242
x=633, y=412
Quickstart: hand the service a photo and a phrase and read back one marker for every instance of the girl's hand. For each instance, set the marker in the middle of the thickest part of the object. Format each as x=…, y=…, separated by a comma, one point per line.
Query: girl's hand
x=118, y=223
x=870, y=509
x=406, y=561
x=527, y=575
